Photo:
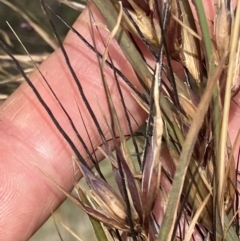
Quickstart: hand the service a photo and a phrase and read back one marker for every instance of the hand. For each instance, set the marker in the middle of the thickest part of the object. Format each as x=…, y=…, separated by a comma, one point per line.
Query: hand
x=28, y=135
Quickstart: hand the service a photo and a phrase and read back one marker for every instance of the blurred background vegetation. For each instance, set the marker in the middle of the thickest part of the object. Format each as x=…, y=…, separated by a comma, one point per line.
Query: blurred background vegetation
x=16, y=14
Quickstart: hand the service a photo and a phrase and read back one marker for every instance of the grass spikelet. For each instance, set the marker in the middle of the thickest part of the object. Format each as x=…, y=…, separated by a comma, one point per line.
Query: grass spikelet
x=189, y=44
x=222, y=27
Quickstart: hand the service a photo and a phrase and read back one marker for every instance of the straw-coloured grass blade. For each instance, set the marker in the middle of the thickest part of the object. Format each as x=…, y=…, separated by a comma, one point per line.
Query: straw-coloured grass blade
x=184, y=160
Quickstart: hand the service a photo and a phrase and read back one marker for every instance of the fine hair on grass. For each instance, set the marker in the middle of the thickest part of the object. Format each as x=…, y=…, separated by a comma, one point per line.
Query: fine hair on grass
x=179, y=180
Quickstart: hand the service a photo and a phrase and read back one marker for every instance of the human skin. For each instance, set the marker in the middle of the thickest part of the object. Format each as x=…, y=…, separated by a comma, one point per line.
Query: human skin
x=28, y=136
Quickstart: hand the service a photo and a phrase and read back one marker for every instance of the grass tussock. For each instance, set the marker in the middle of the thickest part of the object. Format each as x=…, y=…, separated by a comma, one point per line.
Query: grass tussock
x=188, y=115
